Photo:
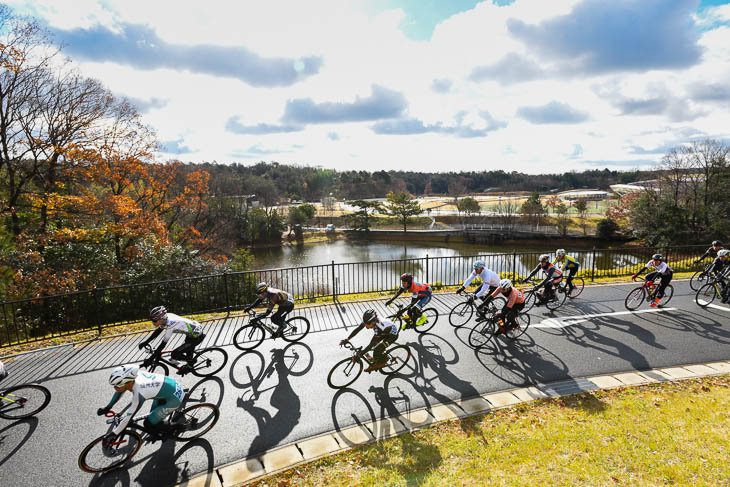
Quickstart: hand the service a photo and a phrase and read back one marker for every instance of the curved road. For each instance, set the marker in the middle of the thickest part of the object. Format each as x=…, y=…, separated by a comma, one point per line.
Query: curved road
x=277, y=394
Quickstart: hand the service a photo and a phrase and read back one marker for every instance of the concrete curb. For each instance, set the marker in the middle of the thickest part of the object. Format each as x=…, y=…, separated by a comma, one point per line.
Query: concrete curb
x=304, y=451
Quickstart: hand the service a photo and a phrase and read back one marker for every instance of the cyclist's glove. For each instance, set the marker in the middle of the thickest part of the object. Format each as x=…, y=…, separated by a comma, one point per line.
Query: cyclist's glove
x=342, y=342
x=142, y=345
x=389, y=302
x=460, y=290
x=102, y=411
x=524, y=281
x=158, y=352
x=246, y=309
x=267, y=313
x=633, y=276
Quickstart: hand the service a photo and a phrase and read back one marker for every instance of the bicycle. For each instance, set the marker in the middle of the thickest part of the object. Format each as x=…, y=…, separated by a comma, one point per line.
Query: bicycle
x=23, y=401
x=698, y=278
x=578, y=285
x=206, y=362
x=708, y=292
x=462, y=312
x=184, y=425
x=485, y=327
x=401, y=317
x=346, y=371
x=647, y=291
x=252, y=335
x=535, y=298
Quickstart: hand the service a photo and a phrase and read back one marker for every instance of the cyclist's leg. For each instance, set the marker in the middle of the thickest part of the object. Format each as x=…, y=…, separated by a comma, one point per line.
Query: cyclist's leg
x=284, y=309
x=663, y=283
x=486, y=298
x=417, y=308
x=572, y=271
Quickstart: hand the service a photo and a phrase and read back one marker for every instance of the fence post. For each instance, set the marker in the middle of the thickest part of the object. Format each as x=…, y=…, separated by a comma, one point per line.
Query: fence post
x=96, y=310
x=427, y=279
x=334, y=283
x=514, y=266
x=593, y=270
x=225, y=290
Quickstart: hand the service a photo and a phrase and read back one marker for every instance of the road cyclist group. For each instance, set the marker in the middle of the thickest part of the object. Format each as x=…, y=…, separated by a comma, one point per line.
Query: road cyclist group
x=500, y=308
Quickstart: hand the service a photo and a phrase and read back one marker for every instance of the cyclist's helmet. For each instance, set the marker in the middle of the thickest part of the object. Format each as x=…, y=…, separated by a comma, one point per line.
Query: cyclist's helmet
x=505, y=284
x=657, y=257
x=369, y=316
x=560, y=252
x=478, y=265
x=544, y=258
x=407, y=278
x=159, y=312
x=261, y=288
x=723, y=253
x=123, y=374
x=716, y=243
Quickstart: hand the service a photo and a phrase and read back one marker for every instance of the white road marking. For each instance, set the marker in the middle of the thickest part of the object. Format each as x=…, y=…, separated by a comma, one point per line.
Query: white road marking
x=702, y=302
x=574, y=320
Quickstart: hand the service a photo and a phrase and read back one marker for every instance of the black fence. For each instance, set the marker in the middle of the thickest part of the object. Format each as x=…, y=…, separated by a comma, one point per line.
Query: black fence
x=28, y=320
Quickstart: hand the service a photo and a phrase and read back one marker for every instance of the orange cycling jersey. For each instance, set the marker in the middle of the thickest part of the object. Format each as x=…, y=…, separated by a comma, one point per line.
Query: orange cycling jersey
x=419, y=288
x=515, y=296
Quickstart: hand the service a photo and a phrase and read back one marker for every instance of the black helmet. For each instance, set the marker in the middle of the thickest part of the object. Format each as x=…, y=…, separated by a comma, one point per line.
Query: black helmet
x=158, y=313
x=716, y=243
x=407, y=277
x=369, y=316
x=261, y=288
x=657, y=257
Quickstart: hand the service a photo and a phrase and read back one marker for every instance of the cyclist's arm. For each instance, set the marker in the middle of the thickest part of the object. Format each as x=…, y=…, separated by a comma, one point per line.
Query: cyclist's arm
x=137, y=401
x=152, y=336
x=640, y=271
x=114, y=400
x=397, y=293
x=706, y=254
x=356, y=331
x=375, y=340
x=534, y=271
x=469, y=280
x=253, y=305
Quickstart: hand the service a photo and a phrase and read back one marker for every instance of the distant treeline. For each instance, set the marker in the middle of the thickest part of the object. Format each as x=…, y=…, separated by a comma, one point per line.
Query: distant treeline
x=311, y=184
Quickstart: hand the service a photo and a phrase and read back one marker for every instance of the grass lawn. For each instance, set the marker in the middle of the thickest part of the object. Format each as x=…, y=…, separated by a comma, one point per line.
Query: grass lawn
x=657, y=434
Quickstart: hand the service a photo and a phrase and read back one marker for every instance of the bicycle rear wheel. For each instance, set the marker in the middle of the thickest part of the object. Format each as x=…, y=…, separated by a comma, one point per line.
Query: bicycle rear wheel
x=523, y=323
x=297, y=329
x=698, y=280
x=482, y=333
x=530, y=300
x=23, y=401
x=668, y=293
x=344, y=373
x=461, y=314
x=249, y=337
x=635, y=298
x=398, y=356
x=97, y=459
x=578, y=285
x=559, y=296
x=209, y=361
x=706, y=295
x=194, y=421
x=432, y=316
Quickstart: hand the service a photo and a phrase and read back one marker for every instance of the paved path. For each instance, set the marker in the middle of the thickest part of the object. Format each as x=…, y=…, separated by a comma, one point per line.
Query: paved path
x=278, y=394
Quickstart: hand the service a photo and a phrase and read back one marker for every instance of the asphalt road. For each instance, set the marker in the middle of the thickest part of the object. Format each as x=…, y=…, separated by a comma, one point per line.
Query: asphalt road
x=278, y=394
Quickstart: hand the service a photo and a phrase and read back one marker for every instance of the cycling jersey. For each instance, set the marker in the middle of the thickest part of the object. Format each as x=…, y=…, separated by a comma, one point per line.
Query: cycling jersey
x=489, y=277
x=178, y=324
x=553, y=272
x=382, y=328
x=150, y=386
x=662, y=268
x=711, y=252
x=566, y=262
x=514, y=296
x=418, y=289
x=273, y=296
x=719, y=265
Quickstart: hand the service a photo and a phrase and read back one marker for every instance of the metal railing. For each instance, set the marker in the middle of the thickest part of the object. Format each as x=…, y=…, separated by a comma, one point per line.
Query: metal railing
x=34, y=319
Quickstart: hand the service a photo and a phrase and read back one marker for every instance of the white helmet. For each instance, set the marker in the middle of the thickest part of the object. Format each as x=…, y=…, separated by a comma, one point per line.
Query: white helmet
x=123, y=374
x=723, y=252
x=560, y=252
x=505, y=284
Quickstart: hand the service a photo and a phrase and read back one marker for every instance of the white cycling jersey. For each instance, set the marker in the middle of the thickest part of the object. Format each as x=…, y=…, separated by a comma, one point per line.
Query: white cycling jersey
x=385, y=326
x=178, y=324
x=147, y=386
x=489, y=277
x=662, y=268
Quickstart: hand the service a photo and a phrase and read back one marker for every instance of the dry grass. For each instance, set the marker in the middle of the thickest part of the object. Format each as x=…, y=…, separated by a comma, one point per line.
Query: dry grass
x=658, y=434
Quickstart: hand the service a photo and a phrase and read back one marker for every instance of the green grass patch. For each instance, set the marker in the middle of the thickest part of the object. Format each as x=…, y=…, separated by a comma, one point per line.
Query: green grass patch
x=657, y=434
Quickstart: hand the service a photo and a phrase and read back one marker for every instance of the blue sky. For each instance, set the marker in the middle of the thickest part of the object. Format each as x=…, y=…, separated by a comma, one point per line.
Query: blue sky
x=433, y=85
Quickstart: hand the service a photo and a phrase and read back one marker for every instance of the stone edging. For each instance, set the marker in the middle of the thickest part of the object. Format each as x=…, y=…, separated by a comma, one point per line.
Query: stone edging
x=304, y=451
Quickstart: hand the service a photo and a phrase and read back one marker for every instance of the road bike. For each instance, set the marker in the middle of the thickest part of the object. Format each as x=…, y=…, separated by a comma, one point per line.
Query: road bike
x=23, y=401
x=699, y=278
x=205, y=363
x=183, y=424
x=647, y=292
x=535, y=297
x=708, y=292
x=578, y=285
x=253, y=334
x=346, y=371
x=405, y=321
x=462, y=312
x=485, y=328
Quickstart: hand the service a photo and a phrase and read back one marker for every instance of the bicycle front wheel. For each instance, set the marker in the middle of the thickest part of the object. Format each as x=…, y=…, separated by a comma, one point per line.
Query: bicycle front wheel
x=97, y=459
x=432, y=317
x=482, y=333
x=706, y=295
x=668, y=293
x=158, y=368
x=398, y=356
x=461, y=314
x=249, y=337
x=697, y=280
x=635, y=298
x=578, y=285
x=530, y=300
x=209, y=361
x=344, y=373
x=23, y=401
x=297, y=329
x=194, y=421
x=523, y=323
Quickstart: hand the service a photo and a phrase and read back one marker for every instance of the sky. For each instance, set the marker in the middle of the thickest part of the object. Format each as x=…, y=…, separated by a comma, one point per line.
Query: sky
x=421, y=85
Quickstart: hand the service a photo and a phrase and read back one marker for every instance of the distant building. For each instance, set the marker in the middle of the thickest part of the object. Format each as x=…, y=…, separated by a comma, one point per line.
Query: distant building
x=637, y=187
x=584, y=194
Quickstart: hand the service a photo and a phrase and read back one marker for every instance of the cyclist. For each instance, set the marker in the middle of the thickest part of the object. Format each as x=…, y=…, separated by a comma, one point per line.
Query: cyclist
x=515, y=304
x=172, y=323
x=568, y=265
x=720, y=269
x=386, y=332
x=490, y=282
x=166, y=394
x=274, y=296
x=712, y=250
x=553, y=276
x=3, y=372
x=421, y=297
x=661, y=270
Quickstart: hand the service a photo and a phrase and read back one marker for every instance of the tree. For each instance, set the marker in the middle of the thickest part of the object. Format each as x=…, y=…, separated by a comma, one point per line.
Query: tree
x=507, y=209
x=402, y=206
x=360, y=220
x=468, y=206
x=533, y=208
x=300, y=215
x=563, y=219
x=606, y=229
x=582, y=207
